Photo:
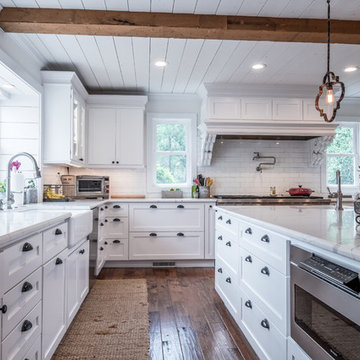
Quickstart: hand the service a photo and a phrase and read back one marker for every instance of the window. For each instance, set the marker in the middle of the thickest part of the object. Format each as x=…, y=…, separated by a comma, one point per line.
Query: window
x=342, y=155
x=171, y=151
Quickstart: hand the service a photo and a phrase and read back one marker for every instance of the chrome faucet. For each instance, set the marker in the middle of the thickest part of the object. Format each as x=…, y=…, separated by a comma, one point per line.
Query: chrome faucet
x=339, y=194
x=9, y=194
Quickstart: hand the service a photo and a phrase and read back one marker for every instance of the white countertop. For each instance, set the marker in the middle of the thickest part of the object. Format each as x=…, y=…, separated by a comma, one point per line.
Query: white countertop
x=16, y=225
x=320, y=226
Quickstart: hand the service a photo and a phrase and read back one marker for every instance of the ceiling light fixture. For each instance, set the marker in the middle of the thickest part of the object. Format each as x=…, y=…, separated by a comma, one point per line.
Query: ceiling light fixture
x=329, y=81
x=160, y=63
x=351, y=68
x=258, y=66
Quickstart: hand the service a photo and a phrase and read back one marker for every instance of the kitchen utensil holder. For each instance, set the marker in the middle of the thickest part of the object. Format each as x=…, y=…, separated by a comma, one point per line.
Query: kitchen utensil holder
x=204, y=192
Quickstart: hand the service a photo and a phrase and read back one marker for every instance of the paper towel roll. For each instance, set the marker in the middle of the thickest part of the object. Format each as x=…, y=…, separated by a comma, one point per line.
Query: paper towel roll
x=17, y=182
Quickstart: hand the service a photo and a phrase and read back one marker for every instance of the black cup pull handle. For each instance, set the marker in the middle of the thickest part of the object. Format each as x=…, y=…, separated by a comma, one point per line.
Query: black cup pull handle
x=116, y=207
x=248, y=304
x=58, y=232
x=153, y=207
x=26, y=326
x=248, y=259
x=228, y=221
x=265, y=271
x=3, y=309
x=248, y=231
x=220, y=218
x=101, y=248
x=180, y=206
x=101, y=224
x=58, y=261
x=153, y=234
x=180, y=234
x=220, y=270
x=116, y=242
x=265, y=324
x=220, y=237
x=228, y=280
x=82, y=251
x=26, y=287
x=265, y=239
x=228, y=243
x=116, y=220
x=27, y=247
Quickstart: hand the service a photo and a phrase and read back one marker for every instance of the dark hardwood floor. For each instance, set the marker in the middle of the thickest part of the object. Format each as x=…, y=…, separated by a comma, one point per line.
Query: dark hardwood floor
x=188, y=319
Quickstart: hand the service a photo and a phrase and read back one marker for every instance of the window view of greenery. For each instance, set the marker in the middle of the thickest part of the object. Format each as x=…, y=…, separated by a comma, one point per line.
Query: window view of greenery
x=170, y=153
x=340, y=157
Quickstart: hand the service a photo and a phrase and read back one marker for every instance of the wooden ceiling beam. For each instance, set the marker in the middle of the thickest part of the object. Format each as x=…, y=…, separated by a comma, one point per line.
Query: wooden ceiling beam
x=170, y=25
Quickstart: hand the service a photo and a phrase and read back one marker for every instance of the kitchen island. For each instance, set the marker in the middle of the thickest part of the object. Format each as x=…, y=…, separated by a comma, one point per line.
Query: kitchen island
x=259, y=256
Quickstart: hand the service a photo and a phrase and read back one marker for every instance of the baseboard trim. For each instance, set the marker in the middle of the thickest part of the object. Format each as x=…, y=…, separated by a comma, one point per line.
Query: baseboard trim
x=149, y=264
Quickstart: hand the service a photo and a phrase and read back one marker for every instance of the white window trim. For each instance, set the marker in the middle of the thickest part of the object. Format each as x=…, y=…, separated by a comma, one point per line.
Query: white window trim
x=346, y=189
x=190, y=121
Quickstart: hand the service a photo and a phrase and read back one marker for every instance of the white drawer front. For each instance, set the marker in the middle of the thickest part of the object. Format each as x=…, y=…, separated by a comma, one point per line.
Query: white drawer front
x=226, y=284
x=266, y=245
x=117, y=249
x=115, y=227
x=227, y=223
x=167, y=217
x=116, y=209
x=35, y=351
x=20, y=300
x=19, y=341
x=55, y=240
x=228, y=250
x=166, y=246
x=268, y=337
x=19, y=260
x=266, y=283
x=295, y=352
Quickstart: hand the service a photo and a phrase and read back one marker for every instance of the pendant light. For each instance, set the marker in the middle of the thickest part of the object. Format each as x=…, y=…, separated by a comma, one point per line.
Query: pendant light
x=330, y=80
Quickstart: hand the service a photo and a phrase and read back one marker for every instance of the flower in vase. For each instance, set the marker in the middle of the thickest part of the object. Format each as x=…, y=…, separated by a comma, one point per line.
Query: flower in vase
x=15, y=164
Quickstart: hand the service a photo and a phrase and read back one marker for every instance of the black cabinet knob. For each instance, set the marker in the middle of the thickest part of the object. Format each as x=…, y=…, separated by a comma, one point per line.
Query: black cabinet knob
x=153, y=207
x=116, y=242
x=58, y=232
x=228, y=221
x=210, y=206
x=101, y=249
x=265, y=271
x=116, y=207
x=27, y=247
x=106, y=206
x=4, y=309
x=180, y=206
x=265, y=238
x=26, y=287
x=106, y=243
x=248, y=259
x=220, y=237
x=219, y=270
x=248, y=304
x=152, y=234
x=101, y=224
x=58, y=261
x=248, y=231
x=101, y=209
x=220, y=218
x=117, y=162
x=26, y=326
x=265, y=324
x=228, y=243
x=106, y=220
x=228, y=280
x=116, y=220
x=113, y=162
x=81, y=159
x=82, y=251
x=180, y=234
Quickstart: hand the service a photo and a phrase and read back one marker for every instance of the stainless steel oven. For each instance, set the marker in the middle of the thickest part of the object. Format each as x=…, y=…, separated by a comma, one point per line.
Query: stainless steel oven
x=325, y=307
x=92, y=187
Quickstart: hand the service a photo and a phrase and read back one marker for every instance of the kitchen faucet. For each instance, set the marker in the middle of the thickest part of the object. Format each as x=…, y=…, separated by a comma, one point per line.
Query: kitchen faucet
x=9, y=194
x=339, y=197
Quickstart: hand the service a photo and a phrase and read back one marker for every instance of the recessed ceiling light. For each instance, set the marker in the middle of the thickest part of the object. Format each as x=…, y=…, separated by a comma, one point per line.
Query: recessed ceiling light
x=7, y=86
x=160, y=63
x=258, y=66
x=350, y=68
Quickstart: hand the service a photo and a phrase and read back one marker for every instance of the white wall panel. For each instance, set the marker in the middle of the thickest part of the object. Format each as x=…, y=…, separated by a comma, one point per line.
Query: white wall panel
x=120, y=5
x=158, y=51
x=141, y=48
x=162, y=5
x=71, y=4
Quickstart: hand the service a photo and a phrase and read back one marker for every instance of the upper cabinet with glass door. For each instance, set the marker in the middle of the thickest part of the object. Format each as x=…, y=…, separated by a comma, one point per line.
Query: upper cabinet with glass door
x=64, y=123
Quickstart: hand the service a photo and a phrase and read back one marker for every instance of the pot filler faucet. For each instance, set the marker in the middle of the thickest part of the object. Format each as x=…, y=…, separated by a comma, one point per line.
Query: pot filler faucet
x=9, y=194
x=260, y=166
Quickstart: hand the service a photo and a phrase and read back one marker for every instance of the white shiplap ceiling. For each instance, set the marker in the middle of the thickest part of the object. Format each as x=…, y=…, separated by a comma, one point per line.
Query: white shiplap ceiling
x=127, y=63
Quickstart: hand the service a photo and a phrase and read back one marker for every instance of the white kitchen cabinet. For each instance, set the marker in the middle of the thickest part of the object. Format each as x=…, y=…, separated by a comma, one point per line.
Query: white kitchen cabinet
x=224, y=108
x=287, y=109
x=256, y=108
x=54, y=299
x=77, y=279
x=64, y=123
x=115, y=227
x=117, y=249
x=116, y=137
x=209, y=231
x=295, y=352
x=309, y=111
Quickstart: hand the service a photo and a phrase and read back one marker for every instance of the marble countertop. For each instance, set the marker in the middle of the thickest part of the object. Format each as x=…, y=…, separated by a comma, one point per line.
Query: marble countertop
x=319, y=226
x=16, y=225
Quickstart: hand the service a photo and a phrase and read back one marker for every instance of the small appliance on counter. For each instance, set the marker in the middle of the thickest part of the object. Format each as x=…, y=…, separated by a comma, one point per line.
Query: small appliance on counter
x=92, y=187
x=69, y=182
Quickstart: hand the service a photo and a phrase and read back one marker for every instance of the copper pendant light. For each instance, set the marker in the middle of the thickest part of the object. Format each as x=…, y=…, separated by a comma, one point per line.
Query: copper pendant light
x=329, y=81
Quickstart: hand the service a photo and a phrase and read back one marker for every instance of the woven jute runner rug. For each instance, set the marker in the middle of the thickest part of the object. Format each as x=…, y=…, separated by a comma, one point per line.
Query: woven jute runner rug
x=112, y=323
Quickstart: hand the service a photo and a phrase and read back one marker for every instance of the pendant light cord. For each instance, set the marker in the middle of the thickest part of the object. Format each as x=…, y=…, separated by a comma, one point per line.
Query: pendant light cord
x=328, y=47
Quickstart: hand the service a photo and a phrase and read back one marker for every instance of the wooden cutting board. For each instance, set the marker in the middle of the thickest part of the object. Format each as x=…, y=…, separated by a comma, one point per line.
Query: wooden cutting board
x=128, y=196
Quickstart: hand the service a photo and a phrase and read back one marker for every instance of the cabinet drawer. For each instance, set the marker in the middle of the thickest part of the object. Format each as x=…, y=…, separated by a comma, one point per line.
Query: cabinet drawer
x=20, y=260
x=265, y=333
x=227, y=223
x=166, y=246
x=35, y=351
x=55, y=240
x=266, y=245
x=295, y=352
x=227, y=250
x=19, y=341
x=117, y=249
x=266, y=283
x=226, y=284
x=115, y=227
x=166, y=217
x=20, y=300
x=116, y=209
